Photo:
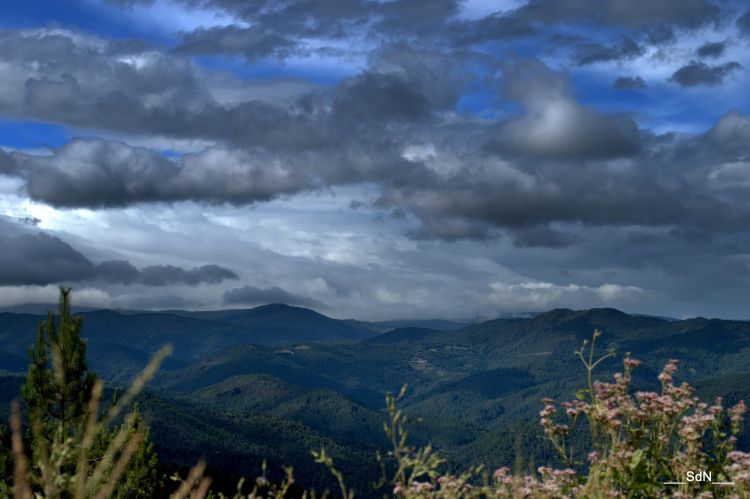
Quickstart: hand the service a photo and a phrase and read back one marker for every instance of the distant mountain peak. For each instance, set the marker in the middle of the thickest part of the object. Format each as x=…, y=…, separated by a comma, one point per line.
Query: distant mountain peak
x=280, y=306
x=283, y=308
x=555, y=314
x=605, y=312
x=597, y=317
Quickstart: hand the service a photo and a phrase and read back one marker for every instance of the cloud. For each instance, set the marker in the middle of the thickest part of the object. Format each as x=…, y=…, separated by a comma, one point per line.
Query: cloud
x=626, y=49
x=250, y=295
x=95, y=173
x=542, y=237
x=430, y=19
x=381, y=97
x=142, y=92
x=540, y=295
x=660, y=34
x=521, y=193
x=692, y=13
x=27, y=258
x=47, y=295
x=556, y=125
x=629, y=82
x=7, y=165
x=743, y=23
x=33, y=257
x=302, y=19
x=332, y=137
x=162, y=275
x=731, y=175
x=480, y=179
x=438, y=125
x=253, y=42
x=730, y=136
x=121, y=271
x=60, y=76
x=712, y=50
x=699, y=73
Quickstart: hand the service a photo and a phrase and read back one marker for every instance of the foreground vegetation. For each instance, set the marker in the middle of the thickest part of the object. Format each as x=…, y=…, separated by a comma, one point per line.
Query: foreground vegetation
x=79, y=446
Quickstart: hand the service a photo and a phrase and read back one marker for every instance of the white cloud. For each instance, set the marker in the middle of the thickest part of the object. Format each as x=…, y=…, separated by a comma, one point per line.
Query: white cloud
x=21, y=295
x=540, y=296
x=167, y=16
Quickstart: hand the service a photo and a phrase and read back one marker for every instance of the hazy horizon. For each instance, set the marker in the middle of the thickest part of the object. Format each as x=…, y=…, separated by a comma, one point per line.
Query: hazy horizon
x=42, y=308
x=377, y=160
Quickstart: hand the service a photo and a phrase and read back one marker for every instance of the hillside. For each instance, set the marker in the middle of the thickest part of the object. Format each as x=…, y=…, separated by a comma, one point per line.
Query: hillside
x=468, y=384
x=279, y=324
x=477, y=388
x=119, y=344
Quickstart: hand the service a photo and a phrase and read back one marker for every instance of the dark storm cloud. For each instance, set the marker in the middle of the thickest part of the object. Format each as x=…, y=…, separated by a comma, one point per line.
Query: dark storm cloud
x=497, y=26
x=303, y=17
x=629, y=82
x=445, y=226
x=381, y=97
x=339, y=18
x=443, y=121
x=73, y=80
x=712, y=50
x=333, y=136
x=555, y=124
x=7, y=164
x=660, y=35
x=743, y=23
x=595, y=52
x=728, y=139
x=249, y=295
x=105, y=174
x=667, y=180
x=511, y=174
x=415, y=17
x=95, y=173
x=555, y=159
x=253, y=42
x=430, y=21
x=403, y=84
x=162, y=275
x=683, y=13
x=279, y=28
x=70, y=79
x=699, y=73
x=29, y=257
x=122, y=271
x=39, y=259
x=542, y=237
x=154, y=93
x=598, y=195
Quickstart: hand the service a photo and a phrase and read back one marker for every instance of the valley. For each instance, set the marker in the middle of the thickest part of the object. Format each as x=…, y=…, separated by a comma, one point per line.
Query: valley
x=276, y=382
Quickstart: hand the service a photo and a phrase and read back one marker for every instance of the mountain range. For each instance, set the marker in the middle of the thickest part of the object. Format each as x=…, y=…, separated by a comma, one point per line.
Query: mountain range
x=121, y=342
x=276, y=381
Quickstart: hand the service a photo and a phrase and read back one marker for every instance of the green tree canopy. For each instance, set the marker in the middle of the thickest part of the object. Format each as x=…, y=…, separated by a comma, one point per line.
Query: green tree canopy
x=57, y=392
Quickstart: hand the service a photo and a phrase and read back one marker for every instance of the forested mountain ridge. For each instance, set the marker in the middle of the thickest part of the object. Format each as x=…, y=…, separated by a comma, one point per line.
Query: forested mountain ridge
x=121, y=343
x=477, y=388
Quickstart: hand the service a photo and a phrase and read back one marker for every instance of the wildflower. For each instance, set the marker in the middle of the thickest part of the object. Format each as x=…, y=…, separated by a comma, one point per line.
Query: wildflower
x=631, y=363
x=398, y=488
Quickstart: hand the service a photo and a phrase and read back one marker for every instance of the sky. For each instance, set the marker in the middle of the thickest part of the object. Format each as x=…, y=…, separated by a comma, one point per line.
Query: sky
x=377, y=159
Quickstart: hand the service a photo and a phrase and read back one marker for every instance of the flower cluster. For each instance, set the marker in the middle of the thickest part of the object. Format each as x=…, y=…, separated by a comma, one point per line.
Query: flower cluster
x=640, y=440
x=551, y=483
x=644, y=439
